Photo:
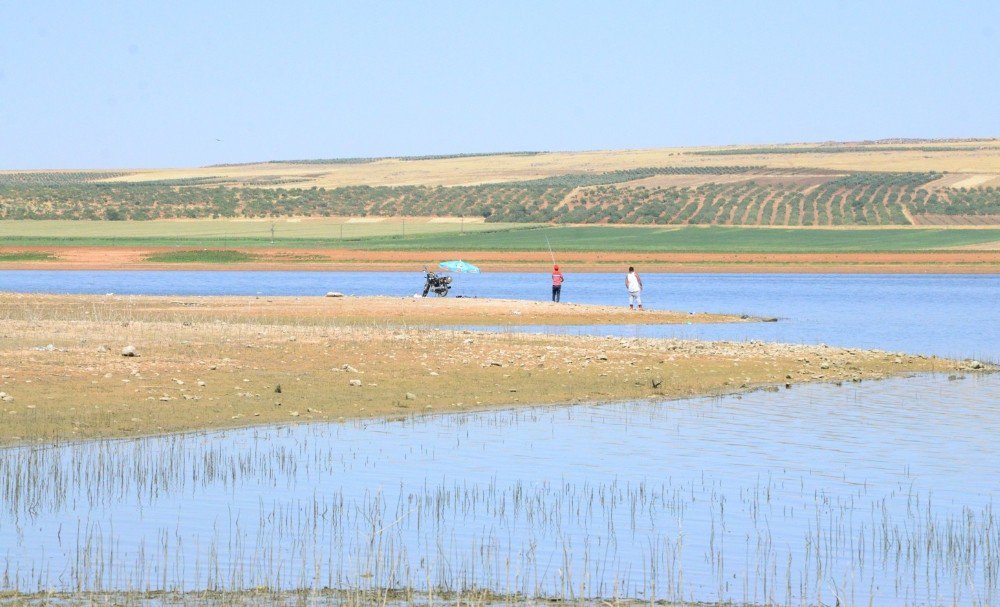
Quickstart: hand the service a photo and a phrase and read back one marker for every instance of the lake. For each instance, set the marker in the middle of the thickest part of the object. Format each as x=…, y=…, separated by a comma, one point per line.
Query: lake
x=883, y=491
x=874, y=493
x=948, y=315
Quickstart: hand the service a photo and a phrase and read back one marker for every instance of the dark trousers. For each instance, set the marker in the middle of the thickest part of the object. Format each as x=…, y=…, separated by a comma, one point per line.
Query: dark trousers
x=555, y=292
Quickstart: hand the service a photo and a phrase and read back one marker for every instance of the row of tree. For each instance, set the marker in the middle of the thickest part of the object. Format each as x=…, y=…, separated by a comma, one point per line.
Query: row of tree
x=862, y=198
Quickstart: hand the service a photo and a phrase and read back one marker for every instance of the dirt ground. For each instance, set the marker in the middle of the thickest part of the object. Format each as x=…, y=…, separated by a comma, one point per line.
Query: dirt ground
x=212, y=363
x=133, y=258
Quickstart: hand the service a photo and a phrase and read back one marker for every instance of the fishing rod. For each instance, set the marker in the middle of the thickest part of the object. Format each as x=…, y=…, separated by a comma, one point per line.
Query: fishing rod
x=551, y=254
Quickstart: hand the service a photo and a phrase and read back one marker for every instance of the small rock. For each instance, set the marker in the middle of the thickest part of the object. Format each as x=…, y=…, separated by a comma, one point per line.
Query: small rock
x=277, y=389
x=294, y=413
x=355, y=382
x=350, y=369
x=824, y=366
x=602, y=356
x=975, y=364
x=334, y=294
x=102, y=348
x=411, y=396
x=129, y=351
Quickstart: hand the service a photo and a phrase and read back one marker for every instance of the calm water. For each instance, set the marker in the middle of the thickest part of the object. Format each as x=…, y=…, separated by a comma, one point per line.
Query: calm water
x=882, y=491
x=876, y=493
x=947, y=315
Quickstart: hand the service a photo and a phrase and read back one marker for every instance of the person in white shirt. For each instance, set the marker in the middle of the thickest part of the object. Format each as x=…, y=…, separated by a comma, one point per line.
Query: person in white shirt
x=633, y=283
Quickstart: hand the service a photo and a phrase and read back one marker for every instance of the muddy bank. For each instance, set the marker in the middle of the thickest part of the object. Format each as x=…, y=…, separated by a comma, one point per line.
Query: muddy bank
x=135, y=258
x=203, y=363
x=296, y=310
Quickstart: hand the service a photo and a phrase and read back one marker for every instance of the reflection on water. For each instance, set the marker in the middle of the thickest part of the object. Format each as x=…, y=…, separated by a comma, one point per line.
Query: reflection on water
x=881, y=492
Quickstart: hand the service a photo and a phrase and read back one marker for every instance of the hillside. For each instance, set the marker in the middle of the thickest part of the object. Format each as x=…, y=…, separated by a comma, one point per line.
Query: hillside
x=887, y=183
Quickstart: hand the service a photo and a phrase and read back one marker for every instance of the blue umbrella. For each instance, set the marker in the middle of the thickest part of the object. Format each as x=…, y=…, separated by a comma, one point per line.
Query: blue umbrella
x=459, y=266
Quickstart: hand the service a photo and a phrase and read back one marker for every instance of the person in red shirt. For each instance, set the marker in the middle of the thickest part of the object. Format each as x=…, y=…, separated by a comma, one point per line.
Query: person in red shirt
x=557, y=280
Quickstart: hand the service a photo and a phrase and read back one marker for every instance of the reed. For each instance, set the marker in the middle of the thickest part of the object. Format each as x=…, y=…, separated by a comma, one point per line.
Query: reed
x=138, y=518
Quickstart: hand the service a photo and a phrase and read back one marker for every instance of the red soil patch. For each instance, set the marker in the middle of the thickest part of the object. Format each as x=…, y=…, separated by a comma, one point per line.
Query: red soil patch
x=132, y=258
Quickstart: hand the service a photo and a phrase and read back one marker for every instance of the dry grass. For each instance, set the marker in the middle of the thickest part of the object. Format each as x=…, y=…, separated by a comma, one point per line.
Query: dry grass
x=490, y=169
x=207, y=363
x=285, y=228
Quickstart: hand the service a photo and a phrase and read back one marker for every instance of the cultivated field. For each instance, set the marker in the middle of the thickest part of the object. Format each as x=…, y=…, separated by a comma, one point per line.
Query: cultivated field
x=981, y=156
x=330, y=229
x=409, y=235
x=889, y=183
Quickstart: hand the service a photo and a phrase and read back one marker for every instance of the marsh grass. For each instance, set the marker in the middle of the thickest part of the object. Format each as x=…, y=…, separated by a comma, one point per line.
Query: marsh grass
x=778, y=541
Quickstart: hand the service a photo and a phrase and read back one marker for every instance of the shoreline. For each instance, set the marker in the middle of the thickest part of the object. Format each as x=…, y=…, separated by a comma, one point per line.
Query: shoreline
x=326, y=260
x=218, y=363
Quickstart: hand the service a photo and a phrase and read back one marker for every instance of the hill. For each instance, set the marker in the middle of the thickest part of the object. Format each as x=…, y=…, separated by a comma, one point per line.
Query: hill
x=892, y=183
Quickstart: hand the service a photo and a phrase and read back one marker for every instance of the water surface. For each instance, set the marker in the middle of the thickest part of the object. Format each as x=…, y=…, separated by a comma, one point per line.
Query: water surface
x=948, y=315
x=879, y=491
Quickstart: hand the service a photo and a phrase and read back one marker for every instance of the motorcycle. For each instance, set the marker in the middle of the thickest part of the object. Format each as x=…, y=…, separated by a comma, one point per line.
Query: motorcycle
x=437, y=283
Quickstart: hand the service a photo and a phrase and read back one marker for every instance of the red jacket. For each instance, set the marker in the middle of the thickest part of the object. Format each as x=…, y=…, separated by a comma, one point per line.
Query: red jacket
x=557, y=278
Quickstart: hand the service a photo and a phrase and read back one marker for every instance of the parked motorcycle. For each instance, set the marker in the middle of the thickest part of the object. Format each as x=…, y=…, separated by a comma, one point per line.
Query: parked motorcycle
x=437, y=283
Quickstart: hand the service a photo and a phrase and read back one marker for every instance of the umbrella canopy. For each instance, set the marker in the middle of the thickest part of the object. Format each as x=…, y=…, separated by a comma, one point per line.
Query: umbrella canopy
x=459, y=266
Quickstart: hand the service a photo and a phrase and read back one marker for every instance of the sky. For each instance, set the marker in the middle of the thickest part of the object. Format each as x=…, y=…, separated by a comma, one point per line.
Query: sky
x=178, y=84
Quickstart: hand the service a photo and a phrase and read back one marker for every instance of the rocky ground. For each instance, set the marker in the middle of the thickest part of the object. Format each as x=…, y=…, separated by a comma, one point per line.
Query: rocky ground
x=94, y=366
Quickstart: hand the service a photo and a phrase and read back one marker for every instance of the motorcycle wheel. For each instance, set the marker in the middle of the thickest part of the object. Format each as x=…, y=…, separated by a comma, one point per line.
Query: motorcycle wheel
x=442, y=292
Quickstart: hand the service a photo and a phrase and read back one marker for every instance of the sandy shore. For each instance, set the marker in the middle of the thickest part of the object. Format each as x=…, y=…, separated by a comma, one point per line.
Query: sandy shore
x=134, y=258
x=227, y=362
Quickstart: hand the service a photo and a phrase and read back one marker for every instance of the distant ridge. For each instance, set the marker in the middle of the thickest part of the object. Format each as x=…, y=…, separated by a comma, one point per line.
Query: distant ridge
x=366, y=160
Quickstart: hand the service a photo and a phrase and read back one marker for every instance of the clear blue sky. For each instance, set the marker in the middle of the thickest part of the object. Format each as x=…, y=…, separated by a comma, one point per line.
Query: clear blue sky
x=136, y=84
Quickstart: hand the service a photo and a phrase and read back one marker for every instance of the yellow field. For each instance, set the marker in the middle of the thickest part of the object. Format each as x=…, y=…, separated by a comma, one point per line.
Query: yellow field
x=284, y=228
x=980, y=159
